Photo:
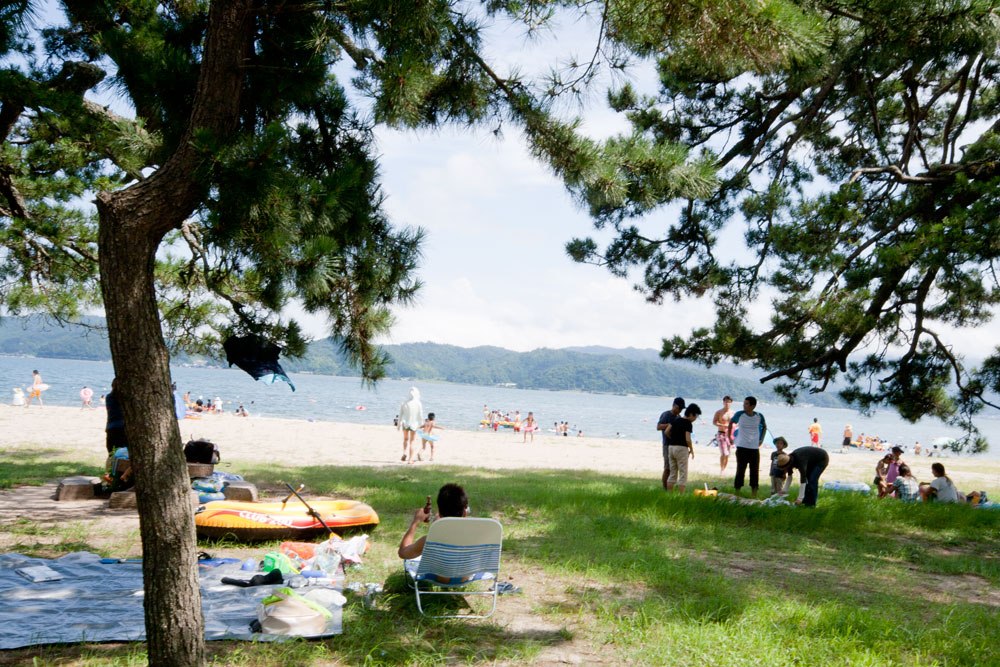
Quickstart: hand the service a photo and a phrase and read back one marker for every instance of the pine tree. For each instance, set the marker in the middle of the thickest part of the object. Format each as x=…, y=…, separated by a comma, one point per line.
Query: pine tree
x=861, y=175
x=241, y=178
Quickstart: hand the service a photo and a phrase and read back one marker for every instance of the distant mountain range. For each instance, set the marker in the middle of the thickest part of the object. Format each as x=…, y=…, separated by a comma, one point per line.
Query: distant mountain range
x=592, y=369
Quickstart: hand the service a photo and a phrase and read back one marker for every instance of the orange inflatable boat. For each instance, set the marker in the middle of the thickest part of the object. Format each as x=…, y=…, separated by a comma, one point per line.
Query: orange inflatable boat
x=277, y=521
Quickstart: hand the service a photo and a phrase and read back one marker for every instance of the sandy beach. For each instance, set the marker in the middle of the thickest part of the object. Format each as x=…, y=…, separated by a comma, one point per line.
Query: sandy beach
x=77, y=434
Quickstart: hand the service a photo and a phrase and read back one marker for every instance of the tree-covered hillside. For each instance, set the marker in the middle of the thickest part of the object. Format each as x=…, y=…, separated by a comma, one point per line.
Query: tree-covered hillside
x=604, y=369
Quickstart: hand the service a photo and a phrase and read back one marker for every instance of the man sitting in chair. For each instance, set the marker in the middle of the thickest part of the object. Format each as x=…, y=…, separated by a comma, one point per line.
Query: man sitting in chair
x=452, y=501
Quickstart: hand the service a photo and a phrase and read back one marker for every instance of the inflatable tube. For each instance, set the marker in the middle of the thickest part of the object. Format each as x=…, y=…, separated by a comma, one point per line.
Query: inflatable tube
x=501, y=424
x=859, y=487
x=272, y=521
x=427, y=436
x=208, y=485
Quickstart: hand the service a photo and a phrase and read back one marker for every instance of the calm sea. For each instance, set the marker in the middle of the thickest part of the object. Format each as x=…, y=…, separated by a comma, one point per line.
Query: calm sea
x=460, y=407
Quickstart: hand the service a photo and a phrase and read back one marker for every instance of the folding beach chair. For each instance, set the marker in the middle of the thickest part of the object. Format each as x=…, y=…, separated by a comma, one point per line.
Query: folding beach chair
x=457, y=553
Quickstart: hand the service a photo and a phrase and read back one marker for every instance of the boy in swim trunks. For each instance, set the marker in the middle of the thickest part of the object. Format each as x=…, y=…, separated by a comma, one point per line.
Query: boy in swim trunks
x=721, y=422
x=425, y=431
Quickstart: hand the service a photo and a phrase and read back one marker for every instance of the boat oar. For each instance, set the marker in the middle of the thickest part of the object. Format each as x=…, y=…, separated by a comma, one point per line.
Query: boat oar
x=293, y=493
x=312, y=512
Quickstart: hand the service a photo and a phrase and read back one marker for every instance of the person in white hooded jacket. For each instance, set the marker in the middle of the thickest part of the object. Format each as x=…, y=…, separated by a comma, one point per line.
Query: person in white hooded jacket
x=411, y=416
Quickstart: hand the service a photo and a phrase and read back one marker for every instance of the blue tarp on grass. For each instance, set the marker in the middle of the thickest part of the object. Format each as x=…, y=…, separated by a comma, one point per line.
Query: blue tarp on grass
x=100, y=602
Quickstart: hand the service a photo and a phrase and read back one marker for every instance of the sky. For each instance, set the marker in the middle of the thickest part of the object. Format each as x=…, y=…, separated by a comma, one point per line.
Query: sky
x=494, y=267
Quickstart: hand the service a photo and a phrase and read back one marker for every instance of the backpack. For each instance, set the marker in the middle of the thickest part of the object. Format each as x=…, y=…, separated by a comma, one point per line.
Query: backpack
x=201, y=451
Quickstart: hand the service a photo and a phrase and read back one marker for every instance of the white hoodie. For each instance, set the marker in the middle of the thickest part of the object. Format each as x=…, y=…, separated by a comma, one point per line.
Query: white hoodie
x=411, y=412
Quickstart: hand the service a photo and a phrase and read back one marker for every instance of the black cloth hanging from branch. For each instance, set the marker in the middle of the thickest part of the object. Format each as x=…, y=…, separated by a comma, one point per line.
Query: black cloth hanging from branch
x=257, y=357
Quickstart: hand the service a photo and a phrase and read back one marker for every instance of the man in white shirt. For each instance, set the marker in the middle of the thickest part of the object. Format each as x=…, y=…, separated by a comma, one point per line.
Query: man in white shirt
x=749, y=437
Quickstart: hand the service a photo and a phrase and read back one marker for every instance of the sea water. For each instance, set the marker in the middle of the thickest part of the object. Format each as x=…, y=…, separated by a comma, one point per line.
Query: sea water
x=459, y=407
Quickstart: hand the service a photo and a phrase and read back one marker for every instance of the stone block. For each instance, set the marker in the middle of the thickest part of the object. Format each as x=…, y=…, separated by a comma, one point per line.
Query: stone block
x=241, y=491
x=78, y=488
x=122, y=500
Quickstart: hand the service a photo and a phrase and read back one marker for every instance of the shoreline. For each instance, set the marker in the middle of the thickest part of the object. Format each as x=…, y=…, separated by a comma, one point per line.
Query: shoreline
x=79, y=435
x=214, y=367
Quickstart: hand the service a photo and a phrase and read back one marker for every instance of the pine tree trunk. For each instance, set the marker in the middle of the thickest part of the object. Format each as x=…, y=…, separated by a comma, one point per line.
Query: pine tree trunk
x=132, y=224
x=174, y=626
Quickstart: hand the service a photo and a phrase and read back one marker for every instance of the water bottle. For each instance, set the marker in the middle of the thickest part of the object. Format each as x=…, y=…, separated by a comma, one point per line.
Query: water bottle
x=327, y=561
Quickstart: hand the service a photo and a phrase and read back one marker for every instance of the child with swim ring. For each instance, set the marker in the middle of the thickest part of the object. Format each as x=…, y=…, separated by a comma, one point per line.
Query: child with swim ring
x=530, y=426
x=427, y=436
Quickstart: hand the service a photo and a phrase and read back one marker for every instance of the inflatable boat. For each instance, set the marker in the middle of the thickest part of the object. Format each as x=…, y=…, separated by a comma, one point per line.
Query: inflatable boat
x=277, y=521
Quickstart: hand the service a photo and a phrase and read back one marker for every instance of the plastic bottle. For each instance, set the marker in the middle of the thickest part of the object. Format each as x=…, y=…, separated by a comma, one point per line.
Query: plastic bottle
x=328, y=561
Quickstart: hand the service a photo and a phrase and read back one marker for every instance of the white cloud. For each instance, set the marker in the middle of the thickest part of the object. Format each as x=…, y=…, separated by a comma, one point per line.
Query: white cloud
x=561, y=311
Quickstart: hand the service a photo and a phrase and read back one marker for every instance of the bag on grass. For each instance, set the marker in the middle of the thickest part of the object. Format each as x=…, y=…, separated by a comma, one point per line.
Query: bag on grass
x=201, y=451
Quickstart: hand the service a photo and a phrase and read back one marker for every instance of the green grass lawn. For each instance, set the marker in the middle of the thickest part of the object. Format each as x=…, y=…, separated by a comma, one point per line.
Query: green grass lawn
x=617, y=569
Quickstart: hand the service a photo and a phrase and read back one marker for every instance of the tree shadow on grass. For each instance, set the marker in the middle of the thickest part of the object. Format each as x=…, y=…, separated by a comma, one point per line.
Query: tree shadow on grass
x=26, y=468
x=674, y=551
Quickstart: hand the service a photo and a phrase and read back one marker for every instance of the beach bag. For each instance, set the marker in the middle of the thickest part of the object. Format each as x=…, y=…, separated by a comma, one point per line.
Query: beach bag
x=285, y=612
x=201, y=451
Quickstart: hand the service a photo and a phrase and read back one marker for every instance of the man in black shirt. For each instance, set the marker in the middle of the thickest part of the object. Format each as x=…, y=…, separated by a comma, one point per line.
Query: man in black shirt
x=666, y=419
x=810, y=462
x=681, y=448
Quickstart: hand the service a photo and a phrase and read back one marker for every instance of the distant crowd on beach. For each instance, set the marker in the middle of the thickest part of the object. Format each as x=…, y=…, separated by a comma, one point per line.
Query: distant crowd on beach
x=202, y=405
x=494, y=420
x=743, y=433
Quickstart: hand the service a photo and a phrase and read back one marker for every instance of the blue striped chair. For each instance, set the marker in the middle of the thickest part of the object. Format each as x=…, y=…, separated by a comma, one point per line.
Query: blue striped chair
x=457, y=553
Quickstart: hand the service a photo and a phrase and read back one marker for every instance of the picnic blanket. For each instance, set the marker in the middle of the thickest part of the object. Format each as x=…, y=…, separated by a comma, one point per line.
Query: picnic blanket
x=99, y=602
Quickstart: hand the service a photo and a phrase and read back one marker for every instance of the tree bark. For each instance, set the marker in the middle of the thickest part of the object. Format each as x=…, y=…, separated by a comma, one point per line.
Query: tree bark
x=132, y=224
x=174, y=624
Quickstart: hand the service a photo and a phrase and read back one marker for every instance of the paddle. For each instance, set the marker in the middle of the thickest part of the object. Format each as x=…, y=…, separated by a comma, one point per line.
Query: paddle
x=312, y=512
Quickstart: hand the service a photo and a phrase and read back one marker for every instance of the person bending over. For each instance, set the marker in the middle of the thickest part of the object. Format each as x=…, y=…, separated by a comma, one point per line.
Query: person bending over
x=810, y=462
x=451, y=501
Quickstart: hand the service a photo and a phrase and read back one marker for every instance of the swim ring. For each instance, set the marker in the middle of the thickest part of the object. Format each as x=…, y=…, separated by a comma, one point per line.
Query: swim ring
x=427, y=436
x=275, y=521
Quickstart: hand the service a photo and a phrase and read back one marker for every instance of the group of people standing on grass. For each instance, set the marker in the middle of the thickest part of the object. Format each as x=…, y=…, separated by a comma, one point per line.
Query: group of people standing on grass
x=743, y=432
